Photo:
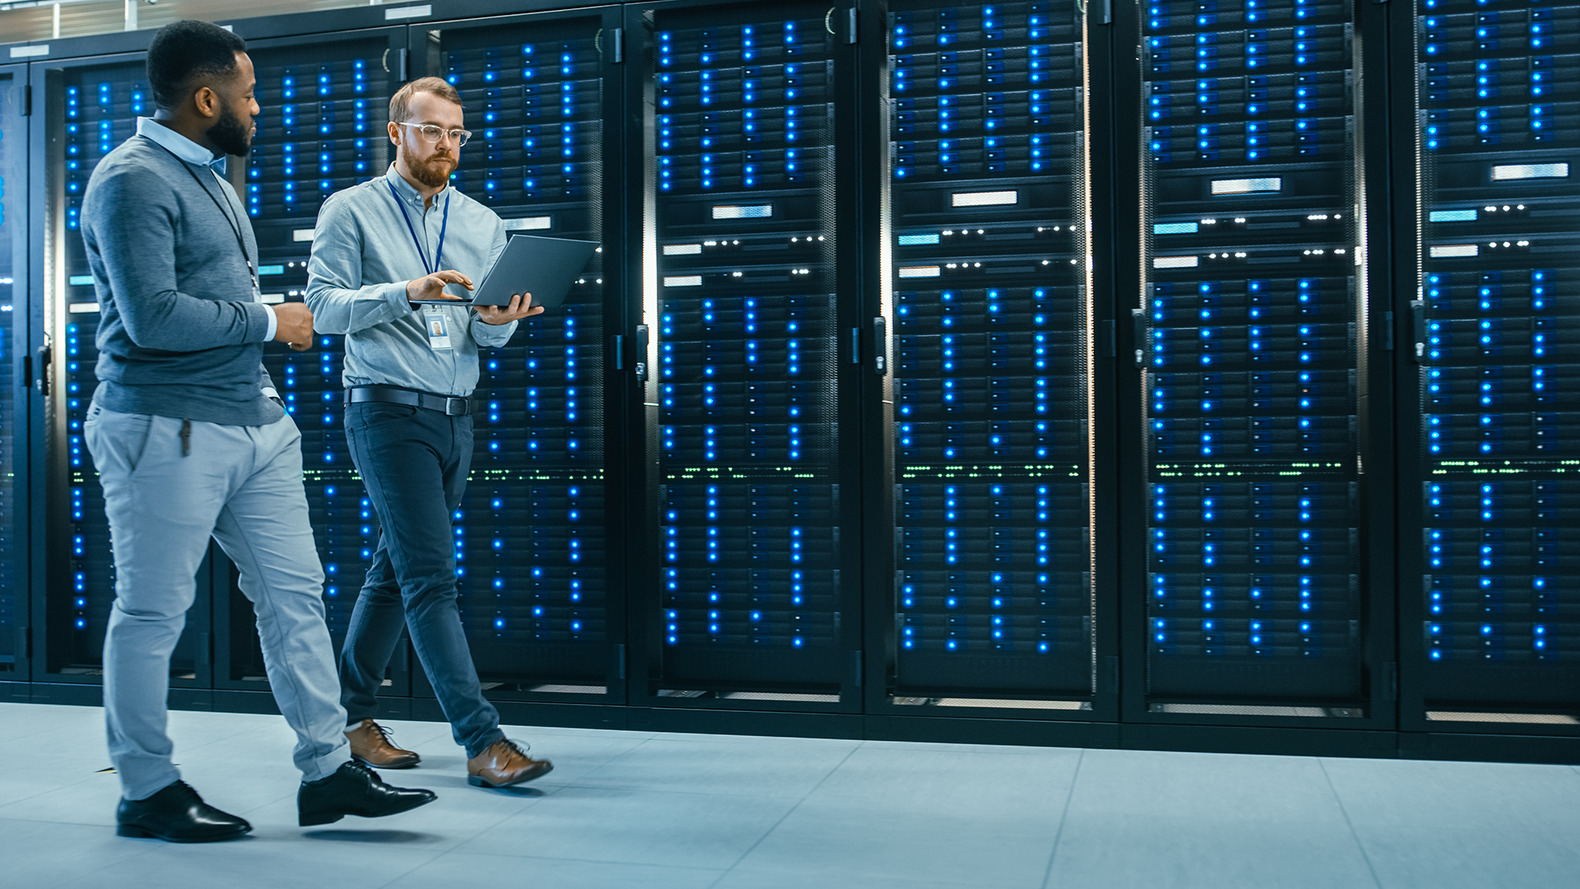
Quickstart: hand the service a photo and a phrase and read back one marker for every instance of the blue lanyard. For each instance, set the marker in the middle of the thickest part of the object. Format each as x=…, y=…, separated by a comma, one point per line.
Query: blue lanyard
x=443, y=226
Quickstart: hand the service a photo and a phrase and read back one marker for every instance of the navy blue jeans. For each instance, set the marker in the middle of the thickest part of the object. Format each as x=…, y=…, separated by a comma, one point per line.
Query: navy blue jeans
x=413, y=463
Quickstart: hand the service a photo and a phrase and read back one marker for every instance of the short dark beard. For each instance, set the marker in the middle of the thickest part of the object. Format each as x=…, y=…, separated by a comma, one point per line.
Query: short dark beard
x=227, y=133
x=426, y=172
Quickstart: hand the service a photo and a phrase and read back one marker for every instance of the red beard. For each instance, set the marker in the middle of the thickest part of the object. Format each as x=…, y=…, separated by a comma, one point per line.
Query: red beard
x=433, y=172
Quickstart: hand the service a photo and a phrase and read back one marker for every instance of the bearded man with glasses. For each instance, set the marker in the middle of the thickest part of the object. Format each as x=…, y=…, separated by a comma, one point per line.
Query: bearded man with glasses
x=379, y=248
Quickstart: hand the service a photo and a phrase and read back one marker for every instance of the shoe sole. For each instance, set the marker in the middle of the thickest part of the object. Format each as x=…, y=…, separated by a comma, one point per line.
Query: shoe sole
x=389, y=765
x=143, y=833
x=313, y=819
x=479, y=781
x=318, y=818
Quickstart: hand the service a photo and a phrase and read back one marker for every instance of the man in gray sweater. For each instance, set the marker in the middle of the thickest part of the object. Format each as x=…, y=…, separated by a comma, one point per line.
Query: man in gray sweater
x=190, y=441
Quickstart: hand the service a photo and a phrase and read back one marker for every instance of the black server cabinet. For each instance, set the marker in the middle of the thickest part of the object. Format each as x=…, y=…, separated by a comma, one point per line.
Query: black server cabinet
x=1248, y=340
x=1491, y=537
x=15, y=375
x=324, y=100
x=992, y=436
x=749, y=301
x=539, y=547
x=89, y=106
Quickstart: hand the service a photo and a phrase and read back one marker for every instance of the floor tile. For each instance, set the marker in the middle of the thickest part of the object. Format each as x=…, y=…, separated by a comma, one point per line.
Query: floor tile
x=636, y=827
x=747, y=878
x=55, y=721
x=964, y=814
x=552, y=873
x=770, y=767
x=42, y=855
x=1444, y=825
x=952, y=779
x=1159, y=819
x=847, y=845
x=277, y=858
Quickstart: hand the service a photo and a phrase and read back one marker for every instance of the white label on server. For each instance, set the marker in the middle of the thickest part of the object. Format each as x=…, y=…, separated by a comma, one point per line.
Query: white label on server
x=747, y=211
x=1530, y=171
x=408, y=12
x=1247, y=186
x=983, y=198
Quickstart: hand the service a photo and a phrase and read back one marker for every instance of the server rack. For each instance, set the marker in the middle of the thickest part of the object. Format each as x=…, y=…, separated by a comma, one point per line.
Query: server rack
x=89, y=107
x=994, y=485
x=15, y=375
x=543, y=548
x=324, y=100
x=749, y=585
x=1489, y=537
x=1527, y=698
x=1250, y=342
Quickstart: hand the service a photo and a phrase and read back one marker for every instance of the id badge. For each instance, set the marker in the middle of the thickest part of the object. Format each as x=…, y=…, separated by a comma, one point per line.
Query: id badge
x=438, y=325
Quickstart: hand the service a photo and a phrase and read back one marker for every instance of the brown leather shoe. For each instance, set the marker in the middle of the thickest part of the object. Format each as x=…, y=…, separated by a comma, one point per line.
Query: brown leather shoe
x=504, y=764
x=371, y=744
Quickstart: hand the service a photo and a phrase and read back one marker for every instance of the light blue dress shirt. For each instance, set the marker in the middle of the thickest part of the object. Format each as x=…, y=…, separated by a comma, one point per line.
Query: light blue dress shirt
x=363, y=257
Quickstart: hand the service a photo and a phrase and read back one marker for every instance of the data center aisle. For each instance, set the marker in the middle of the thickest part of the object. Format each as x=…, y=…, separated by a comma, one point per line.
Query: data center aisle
x=659, y=810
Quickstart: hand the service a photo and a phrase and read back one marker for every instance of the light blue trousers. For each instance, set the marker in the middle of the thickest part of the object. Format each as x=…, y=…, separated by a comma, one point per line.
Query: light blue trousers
x=242, y=485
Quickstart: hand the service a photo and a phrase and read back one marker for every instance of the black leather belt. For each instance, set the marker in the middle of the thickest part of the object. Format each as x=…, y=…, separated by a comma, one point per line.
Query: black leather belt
x=444, y=404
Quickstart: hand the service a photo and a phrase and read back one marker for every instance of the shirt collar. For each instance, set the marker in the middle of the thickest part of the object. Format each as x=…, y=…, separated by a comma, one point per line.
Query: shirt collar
x=406, y=190
x=179, y=145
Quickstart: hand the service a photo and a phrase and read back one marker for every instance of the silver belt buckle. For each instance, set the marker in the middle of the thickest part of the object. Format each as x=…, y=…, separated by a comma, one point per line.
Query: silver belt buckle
x=454, y=406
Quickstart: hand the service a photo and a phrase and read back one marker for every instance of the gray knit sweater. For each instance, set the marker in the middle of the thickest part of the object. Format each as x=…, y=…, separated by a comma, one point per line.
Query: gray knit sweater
x=180, y=328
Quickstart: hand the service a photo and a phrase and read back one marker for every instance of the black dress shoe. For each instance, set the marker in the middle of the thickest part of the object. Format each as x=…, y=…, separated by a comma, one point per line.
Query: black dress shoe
x=354, y=789
x=178, y=815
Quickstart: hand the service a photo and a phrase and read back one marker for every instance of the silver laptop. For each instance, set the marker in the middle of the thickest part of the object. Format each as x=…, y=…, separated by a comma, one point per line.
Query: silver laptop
x=543, y=267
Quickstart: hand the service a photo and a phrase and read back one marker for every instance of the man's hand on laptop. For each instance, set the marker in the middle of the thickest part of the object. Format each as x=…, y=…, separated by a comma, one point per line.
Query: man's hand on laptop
x=432, y=286
x=520, y=307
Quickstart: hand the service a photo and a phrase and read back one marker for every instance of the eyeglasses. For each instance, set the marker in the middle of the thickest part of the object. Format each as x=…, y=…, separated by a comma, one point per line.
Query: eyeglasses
x=434, y=133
